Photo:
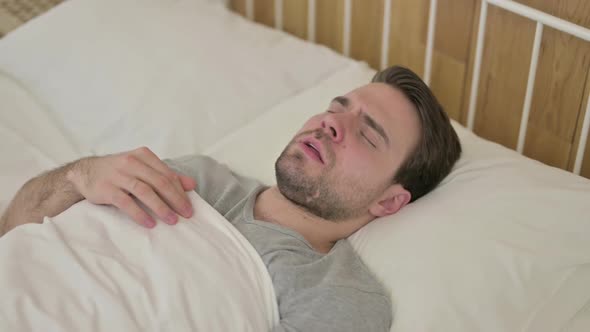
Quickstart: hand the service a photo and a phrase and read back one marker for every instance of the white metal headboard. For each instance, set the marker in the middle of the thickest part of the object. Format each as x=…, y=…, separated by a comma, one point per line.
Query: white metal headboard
x=540, y=17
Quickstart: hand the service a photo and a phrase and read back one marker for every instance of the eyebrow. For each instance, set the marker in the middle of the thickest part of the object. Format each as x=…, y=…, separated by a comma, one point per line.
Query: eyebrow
x=367, y=119
x=341, y=100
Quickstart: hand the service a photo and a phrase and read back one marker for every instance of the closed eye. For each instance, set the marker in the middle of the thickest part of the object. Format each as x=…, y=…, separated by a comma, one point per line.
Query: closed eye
x=368, y=140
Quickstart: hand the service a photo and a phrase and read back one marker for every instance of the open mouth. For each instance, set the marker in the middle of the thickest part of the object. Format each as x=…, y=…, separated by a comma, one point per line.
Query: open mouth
x=312, y=151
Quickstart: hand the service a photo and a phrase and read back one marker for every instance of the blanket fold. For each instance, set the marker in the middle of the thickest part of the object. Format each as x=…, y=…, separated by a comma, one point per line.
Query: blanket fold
x=92, y=269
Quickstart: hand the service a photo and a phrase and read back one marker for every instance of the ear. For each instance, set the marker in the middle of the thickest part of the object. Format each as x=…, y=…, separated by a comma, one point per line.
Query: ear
x=392, y=200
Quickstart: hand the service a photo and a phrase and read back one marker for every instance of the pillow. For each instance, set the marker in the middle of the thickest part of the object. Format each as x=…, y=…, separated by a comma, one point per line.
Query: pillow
x=118, y=74
x=500, y=245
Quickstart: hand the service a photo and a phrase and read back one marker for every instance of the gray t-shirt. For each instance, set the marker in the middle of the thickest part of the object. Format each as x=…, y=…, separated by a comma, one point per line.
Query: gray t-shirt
x=315, y=292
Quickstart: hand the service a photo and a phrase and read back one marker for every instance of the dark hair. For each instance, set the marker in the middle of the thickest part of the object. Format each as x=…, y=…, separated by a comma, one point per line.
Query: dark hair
x=438, y=148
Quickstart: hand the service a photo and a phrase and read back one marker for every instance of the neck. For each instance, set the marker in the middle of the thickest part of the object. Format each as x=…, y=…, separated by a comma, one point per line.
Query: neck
x=322, y=234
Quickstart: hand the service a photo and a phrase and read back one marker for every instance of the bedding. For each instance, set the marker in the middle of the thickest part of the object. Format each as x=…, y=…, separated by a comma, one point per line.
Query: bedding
x=112, y=73
x=500, y=245
x=92, y=268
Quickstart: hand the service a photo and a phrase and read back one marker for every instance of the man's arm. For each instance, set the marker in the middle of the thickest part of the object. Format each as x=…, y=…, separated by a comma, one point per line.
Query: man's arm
x=48, y=194
x=112, y=180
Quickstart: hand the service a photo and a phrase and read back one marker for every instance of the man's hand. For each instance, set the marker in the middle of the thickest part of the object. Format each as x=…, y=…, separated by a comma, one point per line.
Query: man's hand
x=116, y=179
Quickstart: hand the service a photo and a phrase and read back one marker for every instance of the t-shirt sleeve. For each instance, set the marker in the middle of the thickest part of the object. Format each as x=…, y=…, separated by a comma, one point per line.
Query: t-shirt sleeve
x=217, y=184
x=338, y=309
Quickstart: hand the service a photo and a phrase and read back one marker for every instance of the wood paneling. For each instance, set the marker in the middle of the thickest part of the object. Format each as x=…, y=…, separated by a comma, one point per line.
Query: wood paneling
x=585, y=171
x=295, y=17
x=366, y=30
x=238, y=6
x=454, y=20
x=407, y=35
x=329, y=23
x=448, y=79
x=559, y=88
x=559, y=85
x=264, y=12
x=503, y=77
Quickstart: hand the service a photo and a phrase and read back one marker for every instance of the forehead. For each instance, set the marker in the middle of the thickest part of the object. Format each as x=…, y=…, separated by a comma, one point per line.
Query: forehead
x=392, y=109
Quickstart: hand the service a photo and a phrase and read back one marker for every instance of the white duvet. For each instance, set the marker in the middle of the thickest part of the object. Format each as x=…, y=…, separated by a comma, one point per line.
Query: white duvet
x=92, y=269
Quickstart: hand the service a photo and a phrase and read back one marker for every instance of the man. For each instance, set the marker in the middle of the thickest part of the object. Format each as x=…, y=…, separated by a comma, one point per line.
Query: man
x=373, y=151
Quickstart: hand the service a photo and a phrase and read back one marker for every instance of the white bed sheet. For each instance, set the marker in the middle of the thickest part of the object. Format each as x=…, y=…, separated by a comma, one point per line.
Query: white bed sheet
x=501, y=245
x=93, y=269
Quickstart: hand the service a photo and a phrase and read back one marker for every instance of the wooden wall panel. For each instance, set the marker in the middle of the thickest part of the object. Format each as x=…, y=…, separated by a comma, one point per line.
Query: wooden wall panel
x=503, y=76
x=366, y=30
x=295, y=17
x=451, y=53
x=447, y=83
x=407, y=34
x=585, y=171
x=559, y=87
x=238, y=6
x=561, y=81
x=329, y=23
x=264, y=12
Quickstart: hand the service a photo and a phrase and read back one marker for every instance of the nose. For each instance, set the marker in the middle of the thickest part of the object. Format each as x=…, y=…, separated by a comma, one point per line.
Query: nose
x=333, y=127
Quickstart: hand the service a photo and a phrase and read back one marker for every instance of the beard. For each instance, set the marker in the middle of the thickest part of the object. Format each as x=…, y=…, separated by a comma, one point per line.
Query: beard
x=326, y=194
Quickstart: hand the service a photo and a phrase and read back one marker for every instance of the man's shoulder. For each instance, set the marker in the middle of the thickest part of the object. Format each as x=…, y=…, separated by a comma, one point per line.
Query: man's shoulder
x=216, y=182
x=352, y=281
x=191, y=161
x=350, y=270
x=198, y=165
x=341, y=270
x=337, y=290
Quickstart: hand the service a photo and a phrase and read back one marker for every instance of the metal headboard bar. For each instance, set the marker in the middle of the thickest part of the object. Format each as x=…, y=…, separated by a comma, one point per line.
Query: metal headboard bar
x=583, y=140
x=542, y=19
x=430, y=41
x=279, y=14
x=311, y=21
x=524, y=120
x=346, y=29
x=250, y=9
x=385, y=34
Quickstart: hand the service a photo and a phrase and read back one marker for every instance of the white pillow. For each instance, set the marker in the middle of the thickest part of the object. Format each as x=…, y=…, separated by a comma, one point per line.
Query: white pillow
x=118, y=74
x=501, y=245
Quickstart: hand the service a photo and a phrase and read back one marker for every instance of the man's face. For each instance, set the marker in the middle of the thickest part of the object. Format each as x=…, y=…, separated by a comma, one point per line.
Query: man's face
x=342, y=161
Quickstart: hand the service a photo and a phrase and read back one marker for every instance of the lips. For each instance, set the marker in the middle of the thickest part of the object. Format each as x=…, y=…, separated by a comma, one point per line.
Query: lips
x=313, y=149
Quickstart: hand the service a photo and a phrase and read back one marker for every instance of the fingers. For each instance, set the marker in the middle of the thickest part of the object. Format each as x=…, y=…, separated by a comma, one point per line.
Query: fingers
x=187, y=182
x=180, y=182
x=126, y=204
x=154, y=191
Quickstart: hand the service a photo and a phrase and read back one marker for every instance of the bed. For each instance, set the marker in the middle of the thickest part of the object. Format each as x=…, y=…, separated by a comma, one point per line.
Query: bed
x=501, y=245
